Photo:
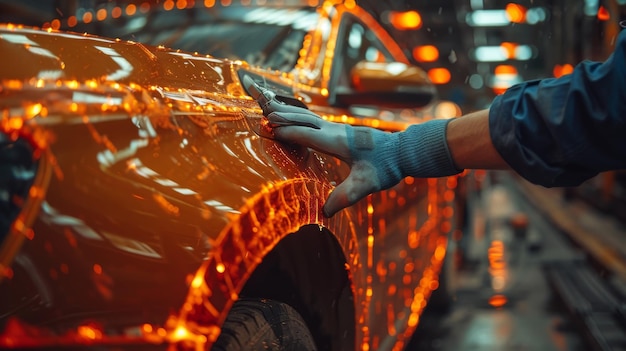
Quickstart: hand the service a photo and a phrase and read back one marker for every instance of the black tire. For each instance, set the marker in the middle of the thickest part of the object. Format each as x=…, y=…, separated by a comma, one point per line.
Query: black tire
x=262, y=324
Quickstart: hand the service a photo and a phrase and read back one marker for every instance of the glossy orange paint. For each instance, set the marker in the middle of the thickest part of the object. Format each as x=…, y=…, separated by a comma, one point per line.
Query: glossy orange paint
x=155, y=199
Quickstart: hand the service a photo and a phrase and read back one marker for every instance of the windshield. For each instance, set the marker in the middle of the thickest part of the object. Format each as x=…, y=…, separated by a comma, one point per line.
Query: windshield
x=266, y=37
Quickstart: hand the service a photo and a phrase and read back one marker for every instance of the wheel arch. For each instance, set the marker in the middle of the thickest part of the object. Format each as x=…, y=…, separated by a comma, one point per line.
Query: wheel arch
x=308, y=270
x=280, y=225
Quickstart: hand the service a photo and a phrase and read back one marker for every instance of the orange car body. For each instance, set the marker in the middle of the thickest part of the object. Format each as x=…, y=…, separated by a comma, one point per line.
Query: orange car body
x=155, y=199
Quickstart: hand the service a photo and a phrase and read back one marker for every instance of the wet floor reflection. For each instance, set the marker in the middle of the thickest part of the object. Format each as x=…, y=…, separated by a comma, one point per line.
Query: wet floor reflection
x=502, y=300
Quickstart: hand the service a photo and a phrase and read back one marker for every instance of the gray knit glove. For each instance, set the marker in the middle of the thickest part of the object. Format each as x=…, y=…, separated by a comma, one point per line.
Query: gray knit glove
x=379, y=160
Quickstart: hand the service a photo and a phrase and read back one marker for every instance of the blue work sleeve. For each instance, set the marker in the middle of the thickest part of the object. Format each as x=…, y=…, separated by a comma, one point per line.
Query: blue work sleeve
x=563, y=131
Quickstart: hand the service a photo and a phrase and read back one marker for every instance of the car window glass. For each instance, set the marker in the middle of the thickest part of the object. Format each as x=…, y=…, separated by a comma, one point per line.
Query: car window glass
x=359, y=44
x=285, y=55
x=267, y=37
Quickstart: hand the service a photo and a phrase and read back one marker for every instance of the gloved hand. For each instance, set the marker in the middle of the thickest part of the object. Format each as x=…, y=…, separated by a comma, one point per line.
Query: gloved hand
x=378, y=160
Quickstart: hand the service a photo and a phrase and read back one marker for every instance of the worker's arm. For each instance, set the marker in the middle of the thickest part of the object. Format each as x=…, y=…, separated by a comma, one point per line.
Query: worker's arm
x=563, y=131
x=470, y=144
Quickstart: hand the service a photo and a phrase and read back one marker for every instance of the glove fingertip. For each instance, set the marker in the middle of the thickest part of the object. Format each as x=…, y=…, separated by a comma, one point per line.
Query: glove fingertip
x=326, y=212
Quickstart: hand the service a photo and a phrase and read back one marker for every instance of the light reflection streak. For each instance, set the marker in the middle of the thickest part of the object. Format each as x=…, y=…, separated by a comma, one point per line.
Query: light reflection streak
x=247, y=142
x=51, y=215
x=126, y=68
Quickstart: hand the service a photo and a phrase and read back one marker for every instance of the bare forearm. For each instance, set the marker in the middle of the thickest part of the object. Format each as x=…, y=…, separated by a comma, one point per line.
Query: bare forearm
x=470, y=144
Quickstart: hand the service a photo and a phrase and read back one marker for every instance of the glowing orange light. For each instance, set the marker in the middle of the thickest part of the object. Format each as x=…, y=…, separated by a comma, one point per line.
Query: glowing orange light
x=516, y=13
x=413, y=319
x=116, y=12
x=144, y=7
x=147, y=328
x=557, y=71
x=603, y=14
x=101, y=15
x=220, y=268
x=448, y=212
x=405, y=20
x=181, y=332
x=567, y=69
x=452, y=182
x=446, y=227
x=55, y=24
x=509, y=48
x=409, y=267
x=6, y=272
x=497, y=265
x=561, y=70
x=440, y=253
x=33, y=110
x=72, y=21
x=197, y=281
x=439, y=75
x=97, y=268
x=87, y=17
x=181, y=4
x=448, y=195
x=497, y=300
x=505, y=69
x=131, y=9
x=314, y=3
x=168, y=5
x=89, y=332
x=15, y=123
x=209, y=3
x=13, y=84
x=499, y=90
x=426, y=53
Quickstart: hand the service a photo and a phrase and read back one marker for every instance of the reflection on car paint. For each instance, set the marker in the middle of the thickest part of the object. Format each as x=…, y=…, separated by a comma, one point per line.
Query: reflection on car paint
x=185, y=110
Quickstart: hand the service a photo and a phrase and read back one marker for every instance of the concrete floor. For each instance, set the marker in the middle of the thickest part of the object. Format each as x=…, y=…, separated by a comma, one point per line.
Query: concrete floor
x=502, y=300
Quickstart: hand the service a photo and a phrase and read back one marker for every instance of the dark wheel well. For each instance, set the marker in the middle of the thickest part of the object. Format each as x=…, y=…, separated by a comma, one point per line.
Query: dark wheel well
x=307, y=270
